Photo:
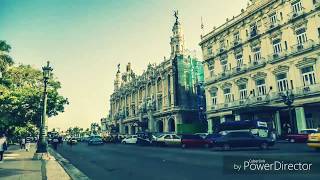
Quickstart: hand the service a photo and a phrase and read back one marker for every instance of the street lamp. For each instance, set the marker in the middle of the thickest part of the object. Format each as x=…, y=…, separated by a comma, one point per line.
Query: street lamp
x=288, y=99
x=42, y=143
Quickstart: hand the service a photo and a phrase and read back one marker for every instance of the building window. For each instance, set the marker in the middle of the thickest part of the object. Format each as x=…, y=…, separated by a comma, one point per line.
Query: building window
x=253, y=30
x=214, y=98
x=209, y=50
x=261, y=87
x=297, y=7
x=273, y=19
x=319, y=31
x=308, y=76
x=239, y=60
x=211, y=69
x=236, y=37
x=222, y=45
x=243, y=91
x=301, y=36
x=256, y=54
x=276, y=46
x=282, y=82
x=224, y=65
x=227, y=95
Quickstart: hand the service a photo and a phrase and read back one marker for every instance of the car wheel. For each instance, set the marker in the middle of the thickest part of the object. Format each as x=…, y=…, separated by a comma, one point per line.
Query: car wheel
x=263, y=146
x=226, y=147
x=124, y=142
x=207, y=145
x=292, y=140
x=183, y=146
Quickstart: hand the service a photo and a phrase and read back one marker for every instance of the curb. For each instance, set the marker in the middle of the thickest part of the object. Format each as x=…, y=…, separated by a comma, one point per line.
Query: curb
x=70, y=169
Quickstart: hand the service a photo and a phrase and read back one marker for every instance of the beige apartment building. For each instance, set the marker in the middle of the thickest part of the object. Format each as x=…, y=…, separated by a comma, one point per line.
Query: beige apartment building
x=256, y=61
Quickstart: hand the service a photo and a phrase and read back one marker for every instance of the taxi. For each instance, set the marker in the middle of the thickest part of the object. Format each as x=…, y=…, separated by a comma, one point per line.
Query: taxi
x=314, y=141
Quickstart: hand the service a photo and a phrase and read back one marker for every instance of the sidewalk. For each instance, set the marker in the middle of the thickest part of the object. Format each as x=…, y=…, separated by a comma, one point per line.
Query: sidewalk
x=19, y=164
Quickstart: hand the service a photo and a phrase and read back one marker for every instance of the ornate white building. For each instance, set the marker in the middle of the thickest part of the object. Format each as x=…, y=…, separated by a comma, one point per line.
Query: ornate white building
x=256, y=61
x=164, y=98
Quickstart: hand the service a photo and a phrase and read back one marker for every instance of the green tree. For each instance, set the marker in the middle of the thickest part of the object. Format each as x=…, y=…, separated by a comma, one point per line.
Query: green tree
x=5, y=59
x=21, y=95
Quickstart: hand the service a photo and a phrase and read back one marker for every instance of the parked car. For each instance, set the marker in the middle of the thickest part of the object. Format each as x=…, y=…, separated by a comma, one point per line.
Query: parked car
x=95, y=140
x=203, y=135
x=193, y=141
x=242, y=139
x=211, y=138
x=167, y=140
x=301, y=137
x=314, y=141
x=72, y=141
x=130, y=140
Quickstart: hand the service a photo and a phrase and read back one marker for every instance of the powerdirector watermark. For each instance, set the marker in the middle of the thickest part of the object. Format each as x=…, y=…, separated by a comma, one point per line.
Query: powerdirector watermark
x=271, y=164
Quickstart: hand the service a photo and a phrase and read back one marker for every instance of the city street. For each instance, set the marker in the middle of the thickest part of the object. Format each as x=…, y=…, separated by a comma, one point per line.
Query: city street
x=123, y=162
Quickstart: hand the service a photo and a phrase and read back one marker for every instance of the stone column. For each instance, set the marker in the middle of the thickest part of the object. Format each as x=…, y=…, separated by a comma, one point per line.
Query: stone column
x=121, y=127
x=171, y=90
x=210, y=126
x=163, y=95
x=237, y=117
x=277, y=122
x=222, y=119
x=300, y=119
x=165, y=125
x=150, y=121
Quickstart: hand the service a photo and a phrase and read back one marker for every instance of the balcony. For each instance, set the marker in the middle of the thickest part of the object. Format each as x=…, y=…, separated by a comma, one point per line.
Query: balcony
x=257, y=64
x=222, y=50
x=238, y=70
x=307, y=90
x=236, y=43
x=254, y=34
x=294, y=15
x=298, y=48
x=317, y=4
x=208, y=56
x=272, y=25
x=276, y=57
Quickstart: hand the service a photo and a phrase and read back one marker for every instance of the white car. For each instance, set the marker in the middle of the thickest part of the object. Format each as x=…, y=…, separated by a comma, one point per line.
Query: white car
x=130, y=139
x=167, y=139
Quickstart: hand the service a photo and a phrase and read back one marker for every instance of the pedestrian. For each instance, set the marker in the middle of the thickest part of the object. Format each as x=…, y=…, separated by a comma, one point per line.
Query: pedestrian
x=3, y=146
x=60, y=140
x=55, y=143
x=28, y=143
x=23, y=143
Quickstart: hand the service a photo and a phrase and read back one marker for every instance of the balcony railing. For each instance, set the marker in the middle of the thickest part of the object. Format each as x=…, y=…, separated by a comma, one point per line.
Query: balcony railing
x=296, y=14
x=240, y=69
x=317, y=4
x=222, y=50
x=257, y=64
x=271, y=25
x=303, y=46
x=253, y=34
x=298, y=92
x=208, y=56
x=307, y=90
x=276, y=57
x=237, y=42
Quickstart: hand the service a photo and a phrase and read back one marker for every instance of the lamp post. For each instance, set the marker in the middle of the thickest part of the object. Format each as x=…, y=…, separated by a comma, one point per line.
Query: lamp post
x=42, y=144
x=288, y=99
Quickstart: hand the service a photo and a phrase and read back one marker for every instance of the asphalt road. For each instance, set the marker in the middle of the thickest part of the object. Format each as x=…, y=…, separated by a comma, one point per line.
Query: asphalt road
x=131, y=162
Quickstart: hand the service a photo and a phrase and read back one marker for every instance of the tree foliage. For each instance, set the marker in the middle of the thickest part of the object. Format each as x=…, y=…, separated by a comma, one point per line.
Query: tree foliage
x=21, y=88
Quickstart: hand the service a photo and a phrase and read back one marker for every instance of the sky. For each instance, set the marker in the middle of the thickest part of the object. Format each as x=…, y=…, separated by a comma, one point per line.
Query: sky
x=85, y=40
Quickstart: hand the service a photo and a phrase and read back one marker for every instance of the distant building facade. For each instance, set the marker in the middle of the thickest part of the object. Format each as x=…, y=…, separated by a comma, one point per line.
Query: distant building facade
x=165, y=98
x=258, y=60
